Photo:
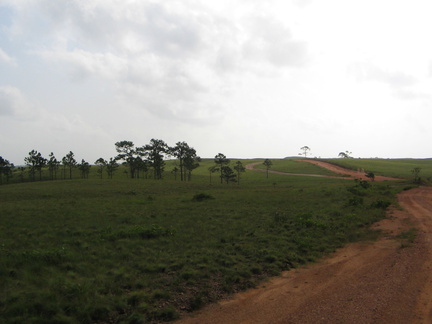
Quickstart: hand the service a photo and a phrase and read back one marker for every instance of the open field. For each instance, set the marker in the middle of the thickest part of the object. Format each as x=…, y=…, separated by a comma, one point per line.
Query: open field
x=141, y=250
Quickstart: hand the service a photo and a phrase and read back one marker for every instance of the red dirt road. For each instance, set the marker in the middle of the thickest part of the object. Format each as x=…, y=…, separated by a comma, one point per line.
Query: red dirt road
x=345, y=173
x=368, y=282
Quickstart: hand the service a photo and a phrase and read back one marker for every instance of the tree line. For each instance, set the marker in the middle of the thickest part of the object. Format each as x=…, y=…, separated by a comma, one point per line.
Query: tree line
x=140, y=161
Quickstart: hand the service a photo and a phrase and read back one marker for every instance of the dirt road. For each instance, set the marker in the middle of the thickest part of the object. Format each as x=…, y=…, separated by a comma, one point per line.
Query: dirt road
x=345, y=173
x=369, y=282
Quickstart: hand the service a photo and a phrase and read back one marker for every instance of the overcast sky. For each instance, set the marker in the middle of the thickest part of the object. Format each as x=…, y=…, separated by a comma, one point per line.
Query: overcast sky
x=245, y=78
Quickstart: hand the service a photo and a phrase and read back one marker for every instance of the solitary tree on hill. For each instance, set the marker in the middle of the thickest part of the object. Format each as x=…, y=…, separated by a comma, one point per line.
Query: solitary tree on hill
x=305, y=150
x=268, y=163
x=345, y=155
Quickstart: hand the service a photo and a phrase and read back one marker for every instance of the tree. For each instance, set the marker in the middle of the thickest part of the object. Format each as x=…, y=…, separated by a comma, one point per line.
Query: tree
x=345, y=155
x=175, y=170
x=111, y=167
x=127, y=153
x=228, y=174
x=53, y=166
x=416, y=172
x=268, y=163
x=221, y=161
x=35, y=162
x=101, y=164
x=190, y=164
x=69, y=161
x=213, y=169
x=239, y=168
x=187, y=157
x=22, y=171
x=5, y=169
x=155, y=152
x=305, y=150
x=84, y=167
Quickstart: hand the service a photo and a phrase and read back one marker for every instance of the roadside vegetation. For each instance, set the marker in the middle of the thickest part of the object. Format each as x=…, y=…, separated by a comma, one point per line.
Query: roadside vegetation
x=122, y=250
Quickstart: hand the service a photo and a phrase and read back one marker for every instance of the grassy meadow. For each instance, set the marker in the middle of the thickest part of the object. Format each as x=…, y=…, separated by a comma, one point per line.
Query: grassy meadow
x=141, y=250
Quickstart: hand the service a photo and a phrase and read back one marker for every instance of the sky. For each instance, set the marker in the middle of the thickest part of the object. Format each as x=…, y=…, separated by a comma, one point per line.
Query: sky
x=246, y=78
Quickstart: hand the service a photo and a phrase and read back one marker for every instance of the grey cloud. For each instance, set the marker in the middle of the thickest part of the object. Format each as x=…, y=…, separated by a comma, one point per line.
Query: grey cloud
x=412, y=95
x=369, y=72
x=14, y=104
x=9, y=100
x=273, y=43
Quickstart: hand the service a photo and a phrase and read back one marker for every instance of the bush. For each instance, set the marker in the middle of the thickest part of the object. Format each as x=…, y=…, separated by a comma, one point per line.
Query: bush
x=381, y=204
x=202, y=197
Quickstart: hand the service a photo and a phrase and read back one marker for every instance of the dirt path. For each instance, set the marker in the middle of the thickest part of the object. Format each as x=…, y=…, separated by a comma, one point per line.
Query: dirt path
x=368, y=282
x=346, y=173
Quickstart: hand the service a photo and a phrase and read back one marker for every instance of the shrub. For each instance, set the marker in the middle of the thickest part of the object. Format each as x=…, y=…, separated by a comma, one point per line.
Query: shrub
x=202, y=197
x=381, y=204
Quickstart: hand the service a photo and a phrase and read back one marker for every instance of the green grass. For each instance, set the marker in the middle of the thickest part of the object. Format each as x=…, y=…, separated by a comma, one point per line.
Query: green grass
x=139, y=250
x=399, y=168
x=297, y=167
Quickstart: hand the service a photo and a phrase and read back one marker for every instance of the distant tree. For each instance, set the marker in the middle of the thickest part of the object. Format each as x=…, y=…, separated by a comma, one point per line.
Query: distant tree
x=5, y=170
x=35, y=161
x=228, y=174
x=22, y=171
x=111, y=167
x=267, y=163
x=127, y=153
x=175, y=170
x=212, y=170
x=187, y=158
x=221, y=161
x=239, y=168
x=190, y=164
x=155, y=152
x=30, y=161
x=53, y=166
x=345, y=155
x=305, y=150
x=141, y=165
x=84, y=168
x=101, y=164
x=69, y=162
x=416, y=172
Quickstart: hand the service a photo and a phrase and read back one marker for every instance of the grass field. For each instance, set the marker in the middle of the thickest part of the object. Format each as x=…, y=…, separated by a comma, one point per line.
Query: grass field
x=140, y=250
x=399, y=168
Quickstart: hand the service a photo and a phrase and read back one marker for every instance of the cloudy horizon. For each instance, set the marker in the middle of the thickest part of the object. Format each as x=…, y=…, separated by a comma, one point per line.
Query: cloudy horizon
x=244, y=78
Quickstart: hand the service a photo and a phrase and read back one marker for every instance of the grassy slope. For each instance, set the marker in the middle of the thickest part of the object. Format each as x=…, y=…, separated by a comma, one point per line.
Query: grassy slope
x=122, y=250
x=296, y=166
x=400, y=168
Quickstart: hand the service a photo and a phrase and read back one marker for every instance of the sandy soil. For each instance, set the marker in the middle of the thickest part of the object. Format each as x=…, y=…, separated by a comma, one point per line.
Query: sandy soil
x=369, y=282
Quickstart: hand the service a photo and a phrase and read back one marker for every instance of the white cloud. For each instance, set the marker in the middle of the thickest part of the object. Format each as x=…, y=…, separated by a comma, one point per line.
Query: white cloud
x=6, y=58
x=13, y=103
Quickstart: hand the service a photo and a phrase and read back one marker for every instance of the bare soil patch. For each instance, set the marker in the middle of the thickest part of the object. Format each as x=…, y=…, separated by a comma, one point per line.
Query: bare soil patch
x=385, y=281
